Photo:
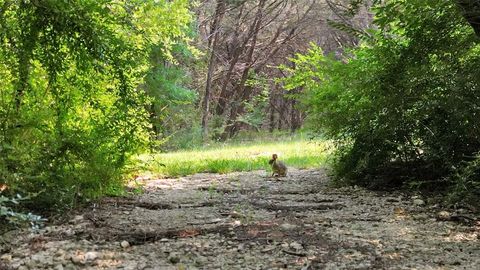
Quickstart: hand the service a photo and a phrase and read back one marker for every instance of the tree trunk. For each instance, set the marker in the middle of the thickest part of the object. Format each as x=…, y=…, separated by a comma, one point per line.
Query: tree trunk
x=213, y=41
x=225, y=92
x=241, y=91
x=271, y=124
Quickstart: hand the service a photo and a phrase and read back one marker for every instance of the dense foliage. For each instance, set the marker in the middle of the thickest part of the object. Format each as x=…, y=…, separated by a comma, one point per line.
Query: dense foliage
x=71, y=111
x=404, y=106
x=173, y=111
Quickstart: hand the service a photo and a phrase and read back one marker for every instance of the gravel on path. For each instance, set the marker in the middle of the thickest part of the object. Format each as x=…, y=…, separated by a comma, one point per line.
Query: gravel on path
x=249, y=221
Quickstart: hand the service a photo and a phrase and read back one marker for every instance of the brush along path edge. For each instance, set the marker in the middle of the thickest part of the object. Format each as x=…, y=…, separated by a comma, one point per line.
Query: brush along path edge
x=249, y=221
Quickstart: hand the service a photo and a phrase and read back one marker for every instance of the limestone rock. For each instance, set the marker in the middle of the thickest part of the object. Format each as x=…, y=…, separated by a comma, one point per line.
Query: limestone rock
x=124, y=244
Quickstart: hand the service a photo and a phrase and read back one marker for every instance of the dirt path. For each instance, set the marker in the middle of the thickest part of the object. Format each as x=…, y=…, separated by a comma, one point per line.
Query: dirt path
x=245, y=221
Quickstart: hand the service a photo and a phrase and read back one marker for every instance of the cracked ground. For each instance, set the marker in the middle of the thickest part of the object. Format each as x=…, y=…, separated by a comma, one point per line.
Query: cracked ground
x=250, y=221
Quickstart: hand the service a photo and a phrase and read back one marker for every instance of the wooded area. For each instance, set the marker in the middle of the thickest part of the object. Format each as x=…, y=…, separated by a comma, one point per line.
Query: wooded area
x=246, y=42
x=88, y=84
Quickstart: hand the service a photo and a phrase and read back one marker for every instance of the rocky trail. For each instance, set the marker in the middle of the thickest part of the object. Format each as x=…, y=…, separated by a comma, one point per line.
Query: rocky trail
x=248, y=221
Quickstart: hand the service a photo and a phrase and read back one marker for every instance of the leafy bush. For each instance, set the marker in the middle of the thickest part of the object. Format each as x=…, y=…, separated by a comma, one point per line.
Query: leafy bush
x=172, y=112
x=71, y=112
x=13, y=216
x=467, y=182
x=404, y=105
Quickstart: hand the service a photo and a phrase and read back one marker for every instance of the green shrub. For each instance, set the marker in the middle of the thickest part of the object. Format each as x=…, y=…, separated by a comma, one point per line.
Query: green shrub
x=71, y=111
x=466, y=182
x=13, y=216
x=402, y=107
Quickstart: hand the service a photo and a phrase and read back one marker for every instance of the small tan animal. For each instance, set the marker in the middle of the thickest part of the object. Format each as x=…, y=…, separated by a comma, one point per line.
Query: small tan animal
x=279, y=168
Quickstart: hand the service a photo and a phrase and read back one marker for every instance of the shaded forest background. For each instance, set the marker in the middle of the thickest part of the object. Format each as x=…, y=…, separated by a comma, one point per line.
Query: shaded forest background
x=86, y=85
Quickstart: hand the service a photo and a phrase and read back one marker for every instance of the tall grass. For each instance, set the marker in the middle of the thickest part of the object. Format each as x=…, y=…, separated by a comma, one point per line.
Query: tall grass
x=297, y=152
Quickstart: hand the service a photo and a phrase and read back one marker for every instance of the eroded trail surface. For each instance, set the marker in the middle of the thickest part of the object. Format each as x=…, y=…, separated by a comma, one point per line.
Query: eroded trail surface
x=247, y=221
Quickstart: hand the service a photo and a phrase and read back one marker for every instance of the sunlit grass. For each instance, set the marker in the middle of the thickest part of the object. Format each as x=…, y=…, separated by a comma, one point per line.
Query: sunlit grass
x=297, y=153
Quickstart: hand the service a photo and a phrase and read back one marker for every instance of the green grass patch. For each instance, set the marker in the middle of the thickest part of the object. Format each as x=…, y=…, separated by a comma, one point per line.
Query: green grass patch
x=237, y=156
